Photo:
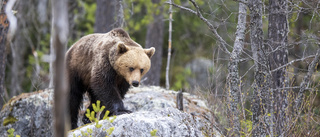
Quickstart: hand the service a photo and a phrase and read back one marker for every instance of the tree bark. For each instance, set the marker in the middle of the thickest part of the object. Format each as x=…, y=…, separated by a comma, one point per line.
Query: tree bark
x=262, y=76
x=4, y=26
x=109, y=15
x=234, y=84
x=278, y=41
x=306, y=81
x=169, y=47
x=18, y=51
x=59, y=39
x=155, y=35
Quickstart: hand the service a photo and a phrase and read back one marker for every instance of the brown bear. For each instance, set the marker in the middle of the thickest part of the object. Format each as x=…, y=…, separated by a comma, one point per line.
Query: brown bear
x=105, y=66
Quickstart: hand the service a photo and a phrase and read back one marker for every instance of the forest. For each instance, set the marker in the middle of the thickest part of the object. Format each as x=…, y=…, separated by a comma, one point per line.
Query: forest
x=254, y=62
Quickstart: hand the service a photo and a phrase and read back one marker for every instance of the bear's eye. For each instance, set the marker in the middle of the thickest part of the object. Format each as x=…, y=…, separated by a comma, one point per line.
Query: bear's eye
x=141, y=70
x=131, y=69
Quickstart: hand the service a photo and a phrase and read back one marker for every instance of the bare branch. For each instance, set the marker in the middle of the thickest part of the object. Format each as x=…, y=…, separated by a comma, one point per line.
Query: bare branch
x=293, y=61
x=181, y=7
x=212, y=28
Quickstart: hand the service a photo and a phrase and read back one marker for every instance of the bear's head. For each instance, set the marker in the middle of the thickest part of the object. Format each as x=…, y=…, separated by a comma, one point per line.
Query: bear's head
x=131, y=62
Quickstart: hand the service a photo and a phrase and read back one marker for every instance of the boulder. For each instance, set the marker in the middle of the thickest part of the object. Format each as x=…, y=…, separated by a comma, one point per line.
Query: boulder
x=202, y=70
x=30, y=114
x=154, y=109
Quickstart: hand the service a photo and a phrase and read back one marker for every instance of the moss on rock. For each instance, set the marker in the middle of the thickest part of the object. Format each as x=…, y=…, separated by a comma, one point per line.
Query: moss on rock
x=9, y=120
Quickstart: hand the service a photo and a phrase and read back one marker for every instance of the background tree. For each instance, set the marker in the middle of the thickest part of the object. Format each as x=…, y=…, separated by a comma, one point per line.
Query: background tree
x=154, y=38
x=269, y=106
x=262, y=77
x=109, y=15
x=4, y=26
x=233, y=68
x=278, y=43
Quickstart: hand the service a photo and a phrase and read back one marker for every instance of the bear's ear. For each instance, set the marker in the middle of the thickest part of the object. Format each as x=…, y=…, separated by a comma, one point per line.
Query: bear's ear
x=122, y=48
x=150, y=51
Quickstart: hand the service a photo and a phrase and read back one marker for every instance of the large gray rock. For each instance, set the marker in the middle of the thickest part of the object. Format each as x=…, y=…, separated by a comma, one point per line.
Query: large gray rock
x=168, y=122
x=153, y=108
x=30, y=114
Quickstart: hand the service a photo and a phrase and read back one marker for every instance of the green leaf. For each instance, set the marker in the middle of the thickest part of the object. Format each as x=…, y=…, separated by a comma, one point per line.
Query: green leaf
x=95, y=107
x=110, y=130
x=113, y=118
x=98, y=105
x=102, y=108
x=106, y=115
x=153, y=132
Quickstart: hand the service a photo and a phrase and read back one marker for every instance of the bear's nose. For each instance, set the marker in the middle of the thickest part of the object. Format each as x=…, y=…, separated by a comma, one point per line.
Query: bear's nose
x=135, y=83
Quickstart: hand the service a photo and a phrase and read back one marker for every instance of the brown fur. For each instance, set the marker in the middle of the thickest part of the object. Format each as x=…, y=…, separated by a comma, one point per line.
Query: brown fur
x=105, y=65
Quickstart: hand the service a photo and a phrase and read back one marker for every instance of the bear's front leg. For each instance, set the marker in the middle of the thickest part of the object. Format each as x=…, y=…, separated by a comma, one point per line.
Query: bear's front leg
x=117, y=108
x=111, y=99
x=113, y=102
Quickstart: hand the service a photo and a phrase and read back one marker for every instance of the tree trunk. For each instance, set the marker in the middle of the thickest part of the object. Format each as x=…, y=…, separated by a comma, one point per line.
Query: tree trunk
x=155, y=34
x=262, y=77
x=109, y=15
x=306, y=82
x=4, y=26
x=169, y=47
x=234, y=84
x=19, y=51
x=278, y=41
x=59, y=37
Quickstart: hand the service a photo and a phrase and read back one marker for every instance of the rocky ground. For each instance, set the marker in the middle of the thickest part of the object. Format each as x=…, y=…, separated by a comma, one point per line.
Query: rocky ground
x=154, y=109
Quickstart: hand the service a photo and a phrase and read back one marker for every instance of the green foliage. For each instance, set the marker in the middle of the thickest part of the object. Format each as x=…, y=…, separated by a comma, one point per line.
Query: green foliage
x=110, y=130
x=141, y=12
x=246, y=124
x=138, y=14
x=86, y=20
x=94, y=116
x=153, y=133
x=11, y=133
x=180, y=78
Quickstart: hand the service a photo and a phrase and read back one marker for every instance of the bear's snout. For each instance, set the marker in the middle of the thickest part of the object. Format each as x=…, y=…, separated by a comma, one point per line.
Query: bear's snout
x=135, y=83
